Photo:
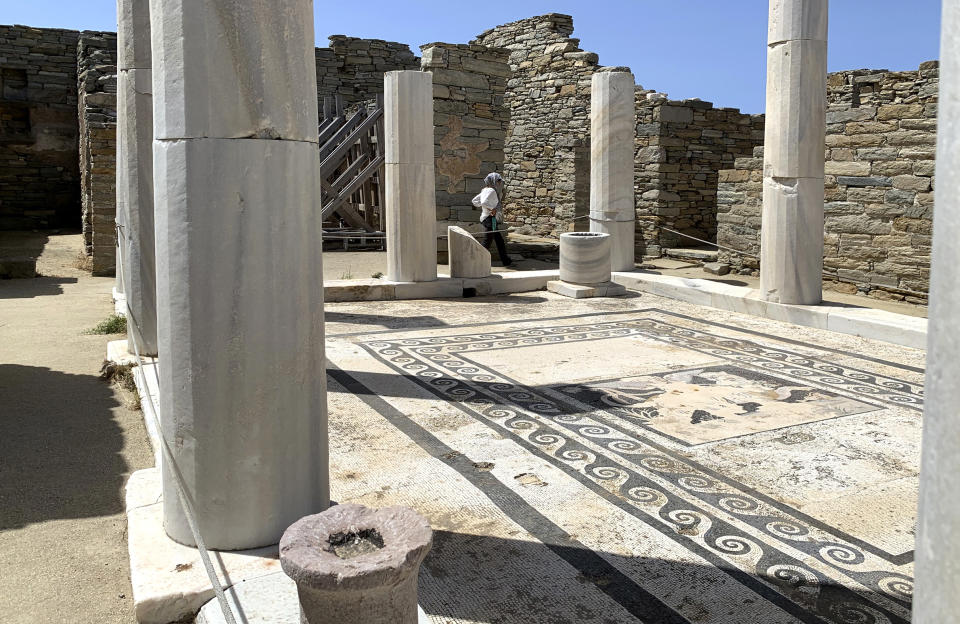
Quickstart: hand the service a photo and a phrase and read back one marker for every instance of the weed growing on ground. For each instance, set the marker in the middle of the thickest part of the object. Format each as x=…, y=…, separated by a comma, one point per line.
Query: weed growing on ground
x=113, y=324
x=83, y=262
x=122, y=377
x=346, y=274
x=377, y=275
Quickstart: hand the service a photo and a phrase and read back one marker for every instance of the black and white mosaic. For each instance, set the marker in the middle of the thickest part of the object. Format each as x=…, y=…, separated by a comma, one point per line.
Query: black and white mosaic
x=625, y=440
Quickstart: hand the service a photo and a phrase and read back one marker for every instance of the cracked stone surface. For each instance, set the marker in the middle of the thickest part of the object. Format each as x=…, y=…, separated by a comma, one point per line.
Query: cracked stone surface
x=631, y=459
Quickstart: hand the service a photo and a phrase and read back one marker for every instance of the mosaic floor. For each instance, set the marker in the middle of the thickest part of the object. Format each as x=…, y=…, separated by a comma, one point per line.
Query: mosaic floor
x=632, y=460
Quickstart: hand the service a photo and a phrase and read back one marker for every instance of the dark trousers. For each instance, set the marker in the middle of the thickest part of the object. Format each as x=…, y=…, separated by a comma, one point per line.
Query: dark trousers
x=495, y=236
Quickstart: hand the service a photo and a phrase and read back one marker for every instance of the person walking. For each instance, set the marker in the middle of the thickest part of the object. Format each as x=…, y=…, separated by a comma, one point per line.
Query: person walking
x=489, y=201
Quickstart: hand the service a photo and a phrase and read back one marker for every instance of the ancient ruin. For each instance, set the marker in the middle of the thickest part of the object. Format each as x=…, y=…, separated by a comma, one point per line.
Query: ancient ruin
x=595, y=440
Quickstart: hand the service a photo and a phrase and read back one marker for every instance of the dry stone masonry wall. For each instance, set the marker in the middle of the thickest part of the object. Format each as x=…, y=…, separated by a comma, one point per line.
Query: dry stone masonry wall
x=470, y=124
x=681, y=147
x=880, y=146
x=547, y=149
x=96, y=62
x=517, y=100
x=353, y=68
x=38, y=128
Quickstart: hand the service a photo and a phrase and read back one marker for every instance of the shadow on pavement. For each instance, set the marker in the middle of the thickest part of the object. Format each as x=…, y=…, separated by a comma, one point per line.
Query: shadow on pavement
x=60, y=448
x=389, y=322
x=33, y=287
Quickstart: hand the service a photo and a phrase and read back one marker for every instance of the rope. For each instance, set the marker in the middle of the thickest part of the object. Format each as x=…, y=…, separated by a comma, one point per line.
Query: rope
x=700, y=240
x=383, y=236
x=749, y=255
x=822, y=273
x=168, y=456
x=596, y=220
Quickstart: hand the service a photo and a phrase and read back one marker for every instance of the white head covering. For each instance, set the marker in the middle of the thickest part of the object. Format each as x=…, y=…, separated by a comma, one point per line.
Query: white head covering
x=493, y=180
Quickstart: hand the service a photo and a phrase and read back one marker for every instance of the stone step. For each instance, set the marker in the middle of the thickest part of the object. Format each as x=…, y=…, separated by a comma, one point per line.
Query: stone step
x=695, y=254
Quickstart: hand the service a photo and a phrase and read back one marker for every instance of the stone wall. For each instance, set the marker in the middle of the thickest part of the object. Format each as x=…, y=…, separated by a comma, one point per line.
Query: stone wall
x=470, y=124
x=681, y=147
x=97, y=112
x=546, y=153
x=38, y=128
x=353, y=68
x=880, y=147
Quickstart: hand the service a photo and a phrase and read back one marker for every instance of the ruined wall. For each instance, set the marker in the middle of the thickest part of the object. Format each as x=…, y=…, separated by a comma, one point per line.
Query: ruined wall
x=470, y=122
x=880, y=147
x=38, y=128
x=354, y=68
x=681, y=147
x=97, y=111
x=546, y=153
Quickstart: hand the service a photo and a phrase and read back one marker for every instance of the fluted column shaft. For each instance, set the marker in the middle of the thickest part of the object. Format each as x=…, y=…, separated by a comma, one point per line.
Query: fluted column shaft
x=410, y=195
x=791, y=245
x=936, y=597
x=612, y=120
x=239, y=266
x=135, y=171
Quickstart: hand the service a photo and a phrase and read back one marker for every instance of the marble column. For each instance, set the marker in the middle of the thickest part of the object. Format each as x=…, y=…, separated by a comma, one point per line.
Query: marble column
x=135, y=170
x=791, y=244
x=612, y=120
x=409, y=196
x=239, y=267
x=120, y=219
x=936, y=597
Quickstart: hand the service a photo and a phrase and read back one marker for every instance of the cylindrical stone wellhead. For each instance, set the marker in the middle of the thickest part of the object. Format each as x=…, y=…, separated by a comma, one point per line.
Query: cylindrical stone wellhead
x=356, y=565
x=585, y=257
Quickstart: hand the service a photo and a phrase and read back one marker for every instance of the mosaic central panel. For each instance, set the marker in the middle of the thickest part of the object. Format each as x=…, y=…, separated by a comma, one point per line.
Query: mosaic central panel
x=712, y=403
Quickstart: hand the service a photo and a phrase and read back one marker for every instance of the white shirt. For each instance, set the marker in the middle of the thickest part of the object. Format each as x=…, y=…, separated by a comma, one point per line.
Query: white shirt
x=487, y=201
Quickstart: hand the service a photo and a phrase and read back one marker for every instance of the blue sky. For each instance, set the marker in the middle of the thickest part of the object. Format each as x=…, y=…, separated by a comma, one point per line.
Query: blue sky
x=711, y=49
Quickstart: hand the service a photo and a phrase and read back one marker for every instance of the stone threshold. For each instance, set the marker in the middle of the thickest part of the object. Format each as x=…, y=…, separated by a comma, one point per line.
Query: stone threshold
x=443, y=287
x=908, y=331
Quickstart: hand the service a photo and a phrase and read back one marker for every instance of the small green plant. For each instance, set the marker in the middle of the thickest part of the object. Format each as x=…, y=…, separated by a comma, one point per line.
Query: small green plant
x=113, y=324
x=346, y=274
x=377, y=275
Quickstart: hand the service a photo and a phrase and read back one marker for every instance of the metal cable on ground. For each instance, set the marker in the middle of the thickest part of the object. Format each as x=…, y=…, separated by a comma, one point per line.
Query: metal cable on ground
x=168, y=456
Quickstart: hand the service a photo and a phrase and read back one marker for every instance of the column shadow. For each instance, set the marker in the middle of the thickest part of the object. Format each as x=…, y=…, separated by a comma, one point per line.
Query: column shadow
x=60, y=449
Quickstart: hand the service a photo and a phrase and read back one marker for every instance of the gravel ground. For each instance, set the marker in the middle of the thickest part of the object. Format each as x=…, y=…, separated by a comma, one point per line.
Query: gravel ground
x=67, y=445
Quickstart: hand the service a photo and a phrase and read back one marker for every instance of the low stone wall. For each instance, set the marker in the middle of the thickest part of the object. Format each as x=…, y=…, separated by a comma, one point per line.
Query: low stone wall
x=547, y=149
x=97, y=110
x=880, y=148
x=353, y=68
x=38, y=128
x=681, y=147
x=470, y=123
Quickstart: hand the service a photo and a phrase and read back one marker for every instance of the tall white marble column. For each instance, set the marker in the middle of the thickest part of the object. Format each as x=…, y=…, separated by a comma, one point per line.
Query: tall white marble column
x=409, y=195
x=239, y=267
x=791, y=243
x=936, y=596
x=135, y=170
x=612, y=120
